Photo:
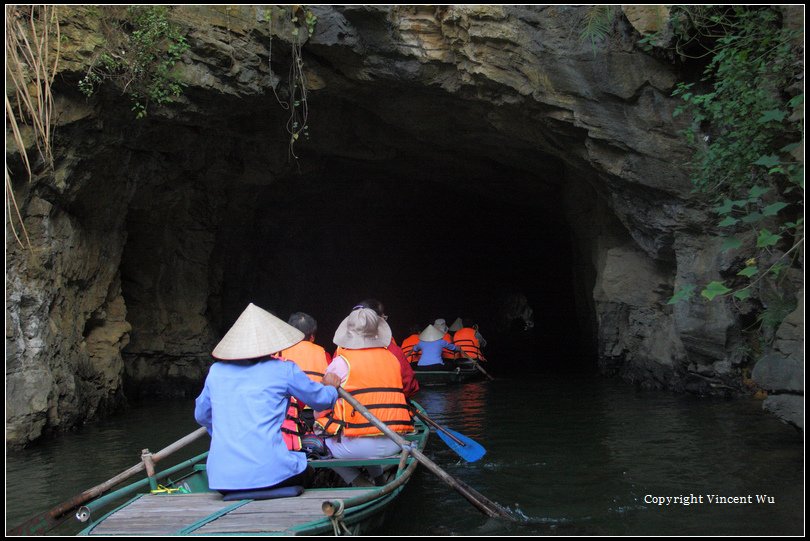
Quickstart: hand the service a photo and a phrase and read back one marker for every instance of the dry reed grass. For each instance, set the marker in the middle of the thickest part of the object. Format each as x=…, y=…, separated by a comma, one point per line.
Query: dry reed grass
x=33, y=42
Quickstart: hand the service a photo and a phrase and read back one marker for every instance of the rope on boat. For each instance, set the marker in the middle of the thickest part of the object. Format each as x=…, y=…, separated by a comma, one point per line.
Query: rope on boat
x=336, y=518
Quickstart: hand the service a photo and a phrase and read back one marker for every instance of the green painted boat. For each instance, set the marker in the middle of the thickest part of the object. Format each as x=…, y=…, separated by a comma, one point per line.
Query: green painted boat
x=462, y=374
x=188, y=507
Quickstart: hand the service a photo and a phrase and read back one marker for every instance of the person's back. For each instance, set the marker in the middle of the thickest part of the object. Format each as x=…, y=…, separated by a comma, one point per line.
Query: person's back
x=244, y=402
x=374, y=377
x=249, y=406
x=407, y=347
x=467, y=340
x=310, y=357
x=430, y=348
x=372, y=374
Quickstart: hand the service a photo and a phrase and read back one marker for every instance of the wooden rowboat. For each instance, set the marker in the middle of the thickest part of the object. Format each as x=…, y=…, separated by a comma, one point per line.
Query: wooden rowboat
x=461, y=374
x=188, y=507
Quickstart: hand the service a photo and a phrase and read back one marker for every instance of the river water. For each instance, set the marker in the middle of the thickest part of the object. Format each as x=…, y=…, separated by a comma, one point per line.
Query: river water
x=572, y=455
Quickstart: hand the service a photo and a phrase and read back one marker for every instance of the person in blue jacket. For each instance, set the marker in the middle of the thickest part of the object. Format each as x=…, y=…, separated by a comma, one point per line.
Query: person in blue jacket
x=244, y=402
x=431, y=342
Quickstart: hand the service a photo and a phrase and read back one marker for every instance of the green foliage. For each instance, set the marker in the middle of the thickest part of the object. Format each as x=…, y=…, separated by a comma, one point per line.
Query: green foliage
x=743, y=117
x=745, y=124
x=598, y=23
x=682, y=294
x=139, y=55
x=776, y=311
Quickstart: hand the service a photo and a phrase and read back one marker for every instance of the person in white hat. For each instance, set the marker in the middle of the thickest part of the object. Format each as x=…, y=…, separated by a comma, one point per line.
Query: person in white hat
x=371, y=373
x=467, y=336
x=432, y=342
x=244, y=402
x=409, y=384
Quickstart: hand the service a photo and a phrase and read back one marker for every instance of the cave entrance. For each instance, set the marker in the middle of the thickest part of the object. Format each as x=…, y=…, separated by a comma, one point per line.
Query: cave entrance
x=433, y=246
x=431, y=230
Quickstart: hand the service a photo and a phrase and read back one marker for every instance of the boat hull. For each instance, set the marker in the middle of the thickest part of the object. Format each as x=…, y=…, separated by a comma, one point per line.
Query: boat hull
x=448, y=377
x=200, y=511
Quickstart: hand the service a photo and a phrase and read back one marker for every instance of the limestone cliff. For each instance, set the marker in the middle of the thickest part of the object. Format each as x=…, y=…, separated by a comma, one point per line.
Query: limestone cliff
x=131, y=245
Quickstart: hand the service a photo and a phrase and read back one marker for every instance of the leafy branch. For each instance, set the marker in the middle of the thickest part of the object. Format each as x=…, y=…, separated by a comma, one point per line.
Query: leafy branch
x=746, y=121
x=139, y=56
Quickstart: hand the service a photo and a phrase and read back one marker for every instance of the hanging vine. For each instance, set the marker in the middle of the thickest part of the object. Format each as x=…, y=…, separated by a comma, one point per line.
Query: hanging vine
x=302, y=20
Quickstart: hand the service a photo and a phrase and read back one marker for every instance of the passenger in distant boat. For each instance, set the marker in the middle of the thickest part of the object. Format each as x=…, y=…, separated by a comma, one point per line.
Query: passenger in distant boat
x=448, y=355
x=313, y=360
x=244, y=401
x=467, y=337
x=409, y=384
x=409, y=343
x=431, y=343
x=371, y=373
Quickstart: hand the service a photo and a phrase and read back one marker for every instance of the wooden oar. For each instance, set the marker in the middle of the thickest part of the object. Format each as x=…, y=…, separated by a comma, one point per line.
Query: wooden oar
x=467, y=448
x=486, y=506
x=476, y=364
x=48, y=520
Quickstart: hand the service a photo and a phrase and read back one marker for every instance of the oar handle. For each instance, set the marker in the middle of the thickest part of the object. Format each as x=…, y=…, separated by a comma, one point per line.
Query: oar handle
x=47, y=520
x=483, y=504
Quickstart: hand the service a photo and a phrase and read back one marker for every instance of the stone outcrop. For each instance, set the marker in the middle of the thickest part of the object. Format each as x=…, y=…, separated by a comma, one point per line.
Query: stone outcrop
x=142, y=246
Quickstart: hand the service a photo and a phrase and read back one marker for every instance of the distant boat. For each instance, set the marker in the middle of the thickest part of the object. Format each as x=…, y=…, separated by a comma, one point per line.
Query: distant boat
x=461, y=374
x=188, y=507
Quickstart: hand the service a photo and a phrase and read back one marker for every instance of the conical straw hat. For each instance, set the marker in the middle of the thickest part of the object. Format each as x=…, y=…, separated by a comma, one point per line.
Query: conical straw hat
x=363, y=328
x=431, y=334
x=256, y=333
x=457, y=325
x=441, y=325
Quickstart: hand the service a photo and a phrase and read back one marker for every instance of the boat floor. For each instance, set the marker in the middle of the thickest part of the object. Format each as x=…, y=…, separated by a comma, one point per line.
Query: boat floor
x=207, y=513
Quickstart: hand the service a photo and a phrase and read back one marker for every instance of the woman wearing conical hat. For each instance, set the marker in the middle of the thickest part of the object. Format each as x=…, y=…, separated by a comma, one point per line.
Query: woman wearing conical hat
x=431, y=343
x=245, y=400
x=448, y=355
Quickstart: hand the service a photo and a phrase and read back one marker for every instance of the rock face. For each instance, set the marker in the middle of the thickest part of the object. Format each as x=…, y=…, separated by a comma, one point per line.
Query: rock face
x=150, y=235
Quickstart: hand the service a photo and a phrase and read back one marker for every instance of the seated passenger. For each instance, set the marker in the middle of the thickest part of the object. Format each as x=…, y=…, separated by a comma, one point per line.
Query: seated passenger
x=448, y=354
x=409, y=343
x=431, y=344
x=371, y=373
x=409, y=384
x=313, y=360
x=469, y=340
x=244, y=401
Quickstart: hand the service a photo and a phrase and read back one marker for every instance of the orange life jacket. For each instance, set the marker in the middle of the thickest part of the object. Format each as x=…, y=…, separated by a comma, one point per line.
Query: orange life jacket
x=466, y=340
x=448, y=353
x=407, y=348
x=291, y=428
x=375, y=381
x=311, y=358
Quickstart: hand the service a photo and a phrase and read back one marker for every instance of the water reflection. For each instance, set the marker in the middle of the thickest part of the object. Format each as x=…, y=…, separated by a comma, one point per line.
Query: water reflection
x=574, y=455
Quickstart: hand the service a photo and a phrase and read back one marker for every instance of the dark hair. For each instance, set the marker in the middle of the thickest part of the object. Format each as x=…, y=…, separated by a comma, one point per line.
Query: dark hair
x=373, y=304
x=304, y=323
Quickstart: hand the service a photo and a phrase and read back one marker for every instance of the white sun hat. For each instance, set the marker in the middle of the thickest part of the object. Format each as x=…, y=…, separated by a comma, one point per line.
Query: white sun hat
x=431, y=334
x=257, y=333
x=457, y=325
x=441, y=325
x=361, y=329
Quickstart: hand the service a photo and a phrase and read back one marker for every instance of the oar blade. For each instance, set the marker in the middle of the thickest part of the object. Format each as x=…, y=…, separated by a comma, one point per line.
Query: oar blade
x=470, y=451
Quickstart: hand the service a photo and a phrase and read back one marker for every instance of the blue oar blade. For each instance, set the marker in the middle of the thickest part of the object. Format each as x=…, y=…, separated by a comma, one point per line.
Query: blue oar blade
x=470, y=451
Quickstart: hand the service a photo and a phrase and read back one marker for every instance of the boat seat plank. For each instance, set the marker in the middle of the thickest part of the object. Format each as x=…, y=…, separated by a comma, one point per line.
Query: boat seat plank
x=166, y=514
x=277, y=515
